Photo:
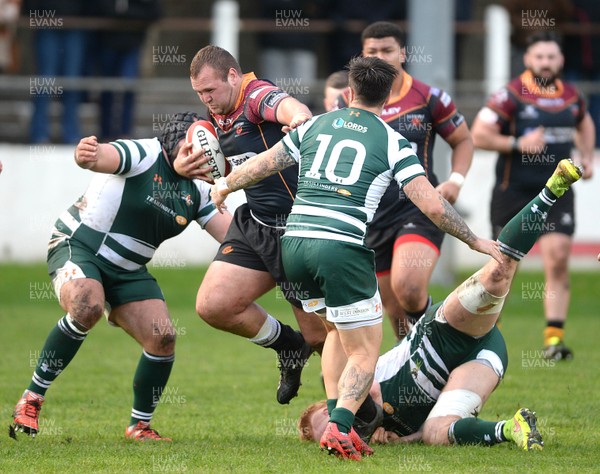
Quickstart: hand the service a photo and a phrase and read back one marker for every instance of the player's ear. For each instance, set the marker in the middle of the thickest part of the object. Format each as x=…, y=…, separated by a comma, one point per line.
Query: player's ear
x=233, y=77
x=402, y=54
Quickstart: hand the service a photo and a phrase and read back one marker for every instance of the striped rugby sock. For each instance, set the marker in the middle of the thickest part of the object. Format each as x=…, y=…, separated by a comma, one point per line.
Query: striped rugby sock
x=60, y=347
x=521, y=232
x=149, y=382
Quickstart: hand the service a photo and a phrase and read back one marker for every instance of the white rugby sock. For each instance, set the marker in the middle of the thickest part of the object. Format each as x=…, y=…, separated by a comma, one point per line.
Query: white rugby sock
x=268, y=333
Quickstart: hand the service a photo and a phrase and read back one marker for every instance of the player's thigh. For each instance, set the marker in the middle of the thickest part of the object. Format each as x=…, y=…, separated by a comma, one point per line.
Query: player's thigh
x=231, y=286
x=388, y=298
x=468, y=388
x=148, y=322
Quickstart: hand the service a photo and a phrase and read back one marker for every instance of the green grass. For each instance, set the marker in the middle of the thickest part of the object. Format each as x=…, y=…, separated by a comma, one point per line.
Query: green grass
x=220, y=406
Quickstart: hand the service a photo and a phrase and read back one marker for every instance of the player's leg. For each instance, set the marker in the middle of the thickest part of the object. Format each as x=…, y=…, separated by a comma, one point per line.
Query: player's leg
x=412, y=266
x=312, y=328
x=482, y=295
x=555, y=249
x=149, y=324
x=453, y=420
x=81, y=295
x=391, y=305
x=226, y=298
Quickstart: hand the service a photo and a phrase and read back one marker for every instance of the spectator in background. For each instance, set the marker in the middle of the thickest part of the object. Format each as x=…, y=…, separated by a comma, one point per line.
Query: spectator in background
x=582, y=53
x=59, y=51
x=9, y=14
x=287, y=53
x=335, y=84
x=118, y=55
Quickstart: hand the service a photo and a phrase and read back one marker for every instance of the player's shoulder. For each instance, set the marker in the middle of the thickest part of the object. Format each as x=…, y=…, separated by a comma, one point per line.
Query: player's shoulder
x=570, y=90
x=142, y=147
x=431, y=93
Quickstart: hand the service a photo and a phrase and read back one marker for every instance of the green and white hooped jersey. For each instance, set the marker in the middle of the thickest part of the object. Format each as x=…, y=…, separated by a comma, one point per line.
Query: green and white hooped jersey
x=347, y=160
x=125, y=216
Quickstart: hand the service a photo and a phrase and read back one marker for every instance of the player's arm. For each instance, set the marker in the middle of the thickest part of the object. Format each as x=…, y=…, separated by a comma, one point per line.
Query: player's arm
x=585, y=138
x=217, y=226
x=462, y=156
x=487, y=135
x=98, y=157
x=255, y=169
x=431, y=203
x=291, y=113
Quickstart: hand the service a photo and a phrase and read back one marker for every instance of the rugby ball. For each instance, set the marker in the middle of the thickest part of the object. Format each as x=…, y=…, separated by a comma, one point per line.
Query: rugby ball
x=202, y=135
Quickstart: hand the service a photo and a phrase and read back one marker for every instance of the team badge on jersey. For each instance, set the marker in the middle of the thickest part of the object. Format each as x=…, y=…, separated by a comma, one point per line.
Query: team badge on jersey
x=181, y=220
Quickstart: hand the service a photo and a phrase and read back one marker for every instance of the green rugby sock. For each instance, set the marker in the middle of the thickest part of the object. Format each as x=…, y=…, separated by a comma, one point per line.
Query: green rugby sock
x=331, y=403
x=476, y=431
x=343, y=418
x=521, y=232
x=150, y=379
x=60, y=347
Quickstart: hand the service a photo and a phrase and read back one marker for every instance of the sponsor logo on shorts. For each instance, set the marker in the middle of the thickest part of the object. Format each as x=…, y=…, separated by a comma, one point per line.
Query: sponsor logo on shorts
x=181, y=220
x=227, y=250
x=312, y=303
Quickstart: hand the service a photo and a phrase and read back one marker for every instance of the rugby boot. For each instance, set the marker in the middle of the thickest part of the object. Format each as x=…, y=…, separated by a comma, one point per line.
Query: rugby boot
x=142, y=432
x=291, y=363
x=565, y=174
x=27, y=413
x=522, y=430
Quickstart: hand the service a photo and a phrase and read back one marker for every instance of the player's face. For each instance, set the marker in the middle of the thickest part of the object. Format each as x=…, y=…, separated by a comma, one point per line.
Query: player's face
x=544, y=60
x=218, y=95
x=318, y=420
x=331, y=95
x=386, y=49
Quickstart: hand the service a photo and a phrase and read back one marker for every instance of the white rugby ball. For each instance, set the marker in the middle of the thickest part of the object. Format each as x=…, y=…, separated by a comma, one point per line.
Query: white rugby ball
x=202, y=135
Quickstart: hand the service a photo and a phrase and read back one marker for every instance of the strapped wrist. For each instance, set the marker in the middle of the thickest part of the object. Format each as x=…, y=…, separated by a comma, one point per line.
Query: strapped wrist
x=457, y=179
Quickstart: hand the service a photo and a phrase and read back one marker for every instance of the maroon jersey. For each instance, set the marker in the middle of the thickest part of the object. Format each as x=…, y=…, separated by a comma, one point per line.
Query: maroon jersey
x=519, y=108
x=251, y=128
x=419, y=112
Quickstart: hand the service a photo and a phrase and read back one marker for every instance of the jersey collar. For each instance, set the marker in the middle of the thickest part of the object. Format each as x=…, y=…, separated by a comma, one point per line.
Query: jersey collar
x=407, y=81
x=529, y=82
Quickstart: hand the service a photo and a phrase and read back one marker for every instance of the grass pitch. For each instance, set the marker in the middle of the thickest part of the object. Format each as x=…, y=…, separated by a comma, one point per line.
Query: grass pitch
x=220, y=407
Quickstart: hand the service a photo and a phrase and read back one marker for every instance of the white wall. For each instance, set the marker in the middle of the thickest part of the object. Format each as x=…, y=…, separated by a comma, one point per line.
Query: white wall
x=40, y=181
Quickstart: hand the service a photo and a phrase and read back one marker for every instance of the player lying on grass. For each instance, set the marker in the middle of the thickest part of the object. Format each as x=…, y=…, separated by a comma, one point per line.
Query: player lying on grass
x=347, y=159
x=97, y=256
x=432, y=385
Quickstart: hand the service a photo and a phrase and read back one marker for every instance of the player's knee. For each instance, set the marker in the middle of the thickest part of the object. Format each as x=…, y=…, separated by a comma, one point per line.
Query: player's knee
x=85, y=312
x=412, y=297
x=218, y=311
x=435, y=431
x=166, y=343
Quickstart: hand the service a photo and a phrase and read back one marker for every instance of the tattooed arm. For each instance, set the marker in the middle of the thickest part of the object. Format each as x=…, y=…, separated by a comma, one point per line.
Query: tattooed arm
x=252, y=171
x=442, y=214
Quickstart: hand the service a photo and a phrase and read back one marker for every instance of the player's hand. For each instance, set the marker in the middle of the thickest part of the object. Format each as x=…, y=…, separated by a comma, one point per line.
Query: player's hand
x=218, y=193
x=449, y=190
x=296, y=121
x=588, y=169
x=189, y=164
x=489, y=247
x=86, y=152
x=532, y=143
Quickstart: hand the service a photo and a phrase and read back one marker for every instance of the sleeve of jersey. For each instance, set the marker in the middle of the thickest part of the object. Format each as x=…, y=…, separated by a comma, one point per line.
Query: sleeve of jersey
x=206, y=210
x=291, y=141
x=500, y=108
x=403, y=161
x=136, y=156
x=263, y=102
x=446, y=118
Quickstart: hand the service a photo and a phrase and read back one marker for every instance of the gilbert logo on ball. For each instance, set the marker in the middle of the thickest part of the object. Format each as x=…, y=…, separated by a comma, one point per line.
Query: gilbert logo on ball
x=202, y=135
